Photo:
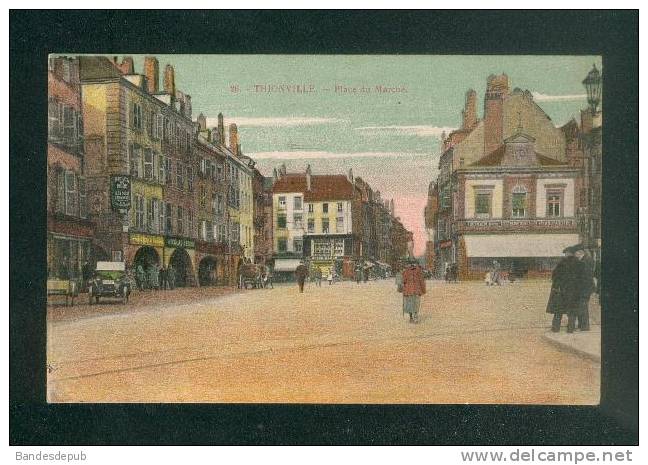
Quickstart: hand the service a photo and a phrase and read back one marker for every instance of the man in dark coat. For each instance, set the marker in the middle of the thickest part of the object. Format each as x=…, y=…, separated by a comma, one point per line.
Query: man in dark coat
x=301, y=273
x=571, y=282
x=586, y=287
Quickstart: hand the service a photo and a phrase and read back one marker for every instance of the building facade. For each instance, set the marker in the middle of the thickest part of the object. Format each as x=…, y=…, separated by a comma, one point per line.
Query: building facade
x=70, y=233
x=141, y=166
x=508, y=188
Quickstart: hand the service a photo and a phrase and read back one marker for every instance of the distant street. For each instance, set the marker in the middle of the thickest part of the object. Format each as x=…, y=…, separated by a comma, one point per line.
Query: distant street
x=345, y=343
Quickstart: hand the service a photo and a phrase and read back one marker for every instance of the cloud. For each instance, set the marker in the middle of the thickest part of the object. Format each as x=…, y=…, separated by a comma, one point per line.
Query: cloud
x=275, y=121
x=419, y=131
x=309, y=155
x=537, y=96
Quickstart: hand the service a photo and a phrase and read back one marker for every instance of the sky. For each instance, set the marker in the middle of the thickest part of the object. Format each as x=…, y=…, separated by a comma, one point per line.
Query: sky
x=390, y=139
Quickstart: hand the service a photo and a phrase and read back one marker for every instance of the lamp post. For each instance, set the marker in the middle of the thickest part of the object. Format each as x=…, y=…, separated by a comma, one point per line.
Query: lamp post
x=593, y=163
x=592, y=83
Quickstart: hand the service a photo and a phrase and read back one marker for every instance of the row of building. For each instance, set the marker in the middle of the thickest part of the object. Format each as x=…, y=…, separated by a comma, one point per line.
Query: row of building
x=133, y=177
x=513, y=189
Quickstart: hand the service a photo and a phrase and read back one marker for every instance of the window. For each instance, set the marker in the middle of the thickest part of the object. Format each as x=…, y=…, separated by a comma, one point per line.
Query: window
x=281, y=221
x=150, y=215
x=136, y=115
x=190, y=224
x=166, y=126
x=311, y=209
x=553, y=204
x=214, y=201
x=139, y=211
x=69, y=124
x=311, y=226
x=519, y=202
x=83, y=201
x=483, y=204
x=298, y=245
x=339, y=206
x=325, y=225
x=203, y=197
x=325, y=208
x=297, y=203
x=209, y=231
x=220, y=203
x=339, y=225
x=282, y=201
x=446, y=200
x=135, y=155
x=168, y=170
x=169, y=218
x=189, y=169
x=282, y=244
x=203, y=230
x=162, y=169
x=53, y=119
x=180, y=221
x=148, y=164
x=297, y=220
x=71, y=194
x=162, y=222
x=179, y=175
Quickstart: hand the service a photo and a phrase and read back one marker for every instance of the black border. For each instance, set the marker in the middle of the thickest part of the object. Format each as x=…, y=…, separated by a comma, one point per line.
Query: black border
x=34, y=34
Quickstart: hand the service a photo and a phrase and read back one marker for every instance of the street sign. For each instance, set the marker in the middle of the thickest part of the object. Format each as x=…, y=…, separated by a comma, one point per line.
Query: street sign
x=179, y=242
x=120, y=192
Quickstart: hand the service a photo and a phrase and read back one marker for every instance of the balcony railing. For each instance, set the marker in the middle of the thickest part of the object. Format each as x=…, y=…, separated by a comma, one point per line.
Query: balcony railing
x=528, y=224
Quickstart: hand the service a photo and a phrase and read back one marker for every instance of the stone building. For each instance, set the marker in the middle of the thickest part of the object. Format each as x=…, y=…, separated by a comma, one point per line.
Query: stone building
x=262, y=191
x=211, y=188
x=140, y=164
x=69, y=230
x=508, y=187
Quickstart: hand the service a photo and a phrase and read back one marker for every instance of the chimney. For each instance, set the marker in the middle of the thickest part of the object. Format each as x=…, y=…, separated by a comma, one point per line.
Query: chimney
x=470, y=110
x=497, y=88
x=202, y=122
x=152, y=73
x=233, y=138
x=169, y=81
x=221, y=129
x=308, y=178
x=350, y=176
x=392, y=207
x=127, y=65
x=275, y=175
x=283, y=169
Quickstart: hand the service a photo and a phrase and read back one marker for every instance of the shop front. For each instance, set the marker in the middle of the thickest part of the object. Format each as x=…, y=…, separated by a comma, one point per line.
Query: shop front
x=69, y=247
x=212, y=263
x=180, y=254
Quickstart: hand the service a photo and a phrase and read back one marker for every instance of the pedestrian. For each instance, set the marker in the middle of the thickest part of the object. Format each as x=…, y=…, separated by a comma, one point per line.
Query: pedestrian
x=586, y=287
x=488, y=279
x=86, y=274
x=567, y=290
x=318, y=276
x=496, y=277
x=330, y=278
x=411, y=284
x=153, y=276
x=171, y=277
x=301, y=273
x=140, y=277
x=164, y=282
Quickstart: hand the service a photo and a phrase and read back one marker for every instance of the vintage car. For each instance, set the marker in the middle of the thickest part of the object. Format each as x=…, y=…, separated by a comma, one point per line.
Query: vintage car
x=109, y=280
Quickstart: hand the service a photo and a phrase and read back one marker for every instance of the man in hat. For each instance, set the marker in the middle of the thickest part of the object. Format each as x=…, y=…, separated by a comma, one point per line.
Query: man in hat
x=412, y=284
x=571, y=282
x=301, y=273
x=585, y=287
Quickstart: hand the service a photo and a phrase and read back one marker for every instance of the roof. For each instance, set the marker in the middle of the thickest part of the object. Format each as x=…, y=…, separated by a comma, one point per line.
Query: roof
x=495, y=159
x=323, y=187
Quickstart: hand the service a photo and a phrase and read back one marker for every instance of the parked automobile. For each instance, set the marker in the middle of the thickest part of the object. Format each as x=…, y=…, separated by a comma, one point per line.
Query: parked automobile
x=109, y=280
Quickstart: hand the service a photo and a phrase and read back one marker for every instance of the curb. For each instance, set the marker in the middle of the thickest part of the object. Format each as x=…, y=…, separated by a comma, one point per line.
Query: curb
x=567, y=347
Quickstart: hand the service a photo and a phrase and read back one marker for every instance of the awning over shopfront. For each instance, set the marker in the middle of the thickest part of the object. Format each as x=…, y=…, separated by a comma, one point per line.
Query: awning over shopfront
x=518, y=245
x=286, y=264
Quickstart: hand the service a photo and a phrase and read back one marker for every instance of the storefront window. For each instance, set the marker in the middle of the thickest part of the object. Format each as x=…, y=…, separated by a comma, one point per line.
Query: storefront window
x=66, y=257
x=518, y=204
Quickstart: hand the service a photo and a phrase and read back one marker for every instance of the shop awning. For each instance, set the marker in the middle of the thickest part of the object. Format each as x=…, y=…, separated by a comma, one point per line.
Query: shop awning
x=286, y=264
x=518, y=245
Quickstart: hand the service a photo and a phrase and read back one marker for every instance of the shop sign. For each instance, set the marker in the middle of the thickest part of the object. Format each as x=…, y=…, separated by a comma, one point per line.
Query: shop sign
x=120, y=192
x=180, y=242
x=145, y=239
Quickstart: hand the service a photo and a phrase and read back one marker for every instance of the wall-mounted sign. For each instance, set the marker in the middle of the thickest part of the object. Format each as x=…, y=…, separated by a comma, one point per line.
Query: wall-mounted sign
x=120, y=192
x=180, y=242
x=145, y=239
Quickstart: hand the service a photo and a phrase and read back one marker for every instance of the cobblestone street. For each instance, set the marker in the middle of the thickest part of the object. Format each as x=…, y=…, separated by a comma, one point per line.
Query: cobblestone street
x=345, y=343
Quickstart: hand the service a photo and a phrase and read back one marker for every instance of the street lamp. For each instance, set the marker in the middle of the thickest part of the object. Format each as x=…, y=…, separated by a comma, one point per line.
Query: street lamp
x=592, y=85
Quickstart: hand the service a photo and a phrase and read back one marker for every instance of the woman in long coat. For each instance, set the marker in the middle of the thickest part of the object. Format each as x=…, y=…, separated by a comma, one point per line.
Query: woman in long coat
x=412, y=284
